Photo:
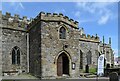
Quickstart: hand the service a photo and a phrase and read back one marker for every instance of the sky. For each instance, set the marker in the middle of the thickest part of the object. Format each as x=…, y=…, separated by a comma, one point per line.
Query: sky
x=99, y=18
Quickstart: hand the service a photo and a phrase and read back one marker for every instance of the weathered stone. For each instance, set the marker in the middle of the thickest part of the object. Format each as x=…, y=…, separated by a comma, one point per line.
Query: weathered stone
x=40, y=46
x=20, y=41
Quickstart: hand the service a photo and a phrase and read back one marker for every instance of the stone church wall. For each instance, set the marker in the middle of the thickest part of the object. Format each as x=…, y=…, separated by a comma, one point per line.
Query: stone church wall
x=52, y=46
x=35, y=50
x=40, y=45
x=13, y=34
x=10, y=39
x=85, y=47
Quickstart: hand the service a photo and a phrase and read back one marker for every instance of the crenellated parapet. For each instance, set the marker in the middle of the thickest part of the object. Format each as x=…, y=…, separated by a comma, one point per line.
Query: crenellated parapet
x=55, y=18
x=105, y=45
x=14, y=22
x=89, y=38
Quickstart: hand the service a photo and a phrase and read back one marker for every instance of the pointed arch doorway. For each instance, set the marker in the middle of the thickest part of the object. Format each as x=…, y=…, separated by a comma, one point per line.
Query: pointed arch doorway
x=62, y=64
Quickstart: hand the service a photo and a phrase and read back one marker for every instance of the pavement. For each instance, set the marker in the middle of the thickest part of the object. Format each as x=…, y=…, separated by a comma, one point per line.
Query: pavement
x=23, y=76
x=28, y=77
x=93, y=79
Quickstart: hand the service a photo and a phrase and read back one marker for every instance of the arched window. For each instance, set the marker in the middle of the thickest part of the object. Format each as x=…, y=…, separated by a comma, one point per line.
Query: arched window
x=62, y=33
x=89, y=57
x=15, y=55
x=108, y=56
x=81, y=59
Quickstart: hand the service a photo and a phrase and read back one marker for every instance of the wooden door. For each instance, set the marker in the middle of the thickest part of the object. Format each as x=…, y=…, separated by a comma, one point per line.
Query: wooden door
x=59, y=66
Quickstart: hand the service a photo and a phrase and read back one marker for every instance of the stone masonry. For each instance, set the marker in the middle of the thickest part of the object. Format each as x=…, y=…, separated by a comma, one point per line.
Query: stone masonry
x=41, y=47
x=14, y=34
x=51, y=46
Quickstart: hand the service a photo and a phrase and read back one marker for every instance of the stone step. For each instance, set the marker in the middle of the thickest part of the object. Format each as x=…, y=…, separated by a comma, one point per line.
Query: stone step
x=91, y=76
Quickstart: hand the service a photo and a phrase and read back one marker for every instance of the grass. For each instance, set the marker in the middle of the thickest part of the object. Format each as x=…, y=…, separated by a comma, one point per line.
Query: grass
x=92, y=70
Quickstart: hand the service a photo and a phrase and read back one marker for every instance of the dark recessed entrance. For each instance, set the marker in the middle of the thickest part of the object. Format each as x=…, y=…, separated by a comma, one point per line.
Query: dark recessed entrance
x=62, y=64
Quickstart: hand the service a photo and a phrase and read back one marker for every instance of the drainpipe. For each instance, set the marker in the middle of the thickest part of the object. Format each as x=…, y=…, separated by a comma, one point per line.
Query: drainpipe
x=28, y=52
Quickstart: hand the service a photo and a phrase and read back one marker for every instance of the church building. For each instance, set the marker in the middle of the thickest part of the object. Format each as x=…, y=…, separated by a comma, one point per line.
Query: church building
x=49, y=46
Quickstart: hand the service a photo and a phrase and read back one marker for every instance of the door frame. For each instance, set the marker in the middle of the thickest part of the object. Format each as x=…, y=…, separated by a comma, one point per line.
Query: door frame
x=69, y=58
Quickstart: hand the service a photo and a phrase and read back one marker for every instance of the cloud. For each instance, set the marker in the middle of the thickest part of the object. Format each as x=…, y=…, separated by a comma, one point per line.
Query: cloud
x=60, y=11
x=86, y=6
x=100, y=11
x=103, y=19
x=84, y=20
x=12, y=3
x=21, y=5
x=105, y=0
x=77, y=14
x=61, y=0
x=17, y=6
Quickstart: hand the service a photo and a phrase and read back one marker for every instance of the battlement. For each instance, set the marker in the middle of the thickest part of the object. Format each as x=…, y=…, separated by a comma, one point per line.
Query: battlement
x=89, y=38
x=14, y=22
x=54, y=17
x=105, y=45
